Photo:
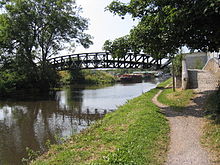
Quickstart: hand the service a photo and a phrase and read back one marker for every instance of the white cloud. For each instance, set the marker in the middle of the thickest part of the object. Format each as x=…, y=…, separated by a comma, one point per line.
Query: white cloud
x=103, y=24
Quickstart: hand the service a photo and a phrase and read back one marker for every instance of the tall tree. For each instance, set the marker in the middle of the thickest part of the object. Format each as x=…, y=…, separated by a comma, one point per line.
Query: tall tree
x=167, y=25
x=31, y=31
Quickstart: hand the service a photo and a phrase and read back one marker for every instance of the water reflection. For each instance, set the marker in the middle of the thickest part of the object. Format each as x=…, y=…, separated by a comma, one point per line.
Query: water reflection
x=31, y=123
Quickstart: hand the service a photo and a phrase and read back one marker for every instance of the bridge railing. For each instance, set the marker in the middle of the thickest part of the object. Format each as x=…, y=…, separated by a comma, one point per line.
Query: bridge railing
x=103, y=60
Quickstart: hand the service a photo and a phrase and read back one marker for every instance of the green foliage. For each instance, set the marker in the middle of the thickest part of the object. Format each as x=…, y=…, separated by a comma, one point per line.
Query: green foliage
x=120, y=46
x=40, y=28
x=91, y=77
x=64, y=77
x=136, y=133
x=76, y=76
x=97, y=77
x=31, y=31
x=165, y=26
x=10, y=81
x=14, y=77
x=177, y=64
x=86, y=77
x=32, y=155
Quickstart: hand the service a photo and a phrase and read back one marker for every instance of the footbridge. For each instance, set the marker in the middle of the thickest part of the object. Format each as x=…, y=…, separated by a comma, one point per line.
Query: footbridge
x=106, y=60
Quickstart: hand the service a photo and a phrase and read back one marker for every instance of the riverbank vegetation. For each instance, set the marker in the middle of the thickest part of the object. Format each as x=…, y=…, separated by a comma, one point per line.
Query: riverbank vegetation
x=211, y=138
x=14, y=78
x=136, y=133
x=86, y=77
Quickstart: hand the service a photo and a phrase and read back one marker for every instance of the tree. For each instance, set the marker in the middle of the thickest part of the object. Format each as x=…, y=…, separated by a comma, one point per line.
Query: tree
x=167, y=25
x=31, y=31
x=118, y=47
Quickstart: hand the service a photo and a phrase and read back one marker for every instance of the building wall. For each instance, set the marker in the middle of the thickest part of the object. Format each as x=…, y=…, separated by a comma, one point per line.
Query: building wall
x=196, y=60
x=203, y=71
x=202, y=79
x=213, y=65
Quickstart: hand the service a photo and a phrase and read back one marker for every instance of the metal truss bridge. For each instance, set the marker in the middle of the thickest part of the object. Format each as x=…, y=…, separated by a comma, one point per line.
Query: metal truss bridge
x=105, y=60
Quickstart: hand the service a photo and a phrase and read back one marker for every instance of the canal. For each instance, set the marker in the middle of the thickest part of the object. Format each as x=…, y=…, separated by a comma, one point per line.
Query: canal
x=33, y=123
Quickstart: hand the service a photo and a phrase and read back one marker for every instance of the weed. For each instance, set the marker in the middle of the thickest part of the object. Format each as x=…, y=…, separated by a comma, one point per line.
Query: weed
x=32, y=155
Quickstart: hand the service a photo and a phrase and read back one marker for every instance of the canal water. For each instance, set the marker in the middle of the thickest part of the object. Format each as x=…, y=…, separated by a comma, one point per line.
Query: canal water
x=32, y=123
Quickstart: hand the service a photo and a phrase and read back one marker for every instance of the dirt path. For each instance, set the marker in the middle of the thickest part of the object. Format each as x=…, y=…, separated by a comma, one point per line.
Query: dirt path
x=186, y=130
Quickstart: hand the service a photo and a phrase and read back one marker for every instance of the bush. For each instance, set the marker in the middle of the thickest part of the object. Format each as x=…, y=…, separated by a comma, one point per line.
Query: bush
x=64, y=77
x=17, y=76
x=10, y=81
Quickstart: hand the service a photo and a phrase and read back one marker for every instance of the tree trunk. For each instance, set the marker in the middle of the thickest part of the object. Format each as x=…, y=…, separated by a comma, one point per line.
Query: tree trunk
x=174, y=89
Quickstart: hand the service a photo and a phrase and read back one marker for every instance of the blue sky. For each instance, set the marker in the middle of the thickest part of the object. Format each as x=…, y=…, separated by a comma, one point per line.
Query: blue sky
x=103, y=24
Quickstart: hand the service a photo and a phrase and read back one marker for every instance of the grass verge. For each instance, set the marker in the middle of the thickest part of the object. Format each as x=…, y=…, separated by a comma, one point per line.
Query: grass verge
x=176, y=100
x=136, y=133
x=211, y=138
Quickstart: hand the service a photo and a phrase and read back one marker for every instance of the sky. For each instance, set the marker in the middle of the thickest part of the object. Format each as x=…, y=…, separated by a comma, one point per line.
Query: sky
x=103, y=25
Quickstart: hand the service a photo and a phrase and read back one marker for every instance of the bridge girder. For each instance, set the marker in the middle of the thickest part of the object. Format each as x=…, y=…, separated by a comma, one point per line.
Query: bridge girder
x=104, y=60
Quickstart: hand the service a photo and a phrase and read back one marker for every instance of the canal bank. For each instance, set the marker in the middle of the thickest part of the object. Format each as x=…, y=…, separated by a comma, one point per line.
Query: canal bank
x=137, y=133
x=35, y=123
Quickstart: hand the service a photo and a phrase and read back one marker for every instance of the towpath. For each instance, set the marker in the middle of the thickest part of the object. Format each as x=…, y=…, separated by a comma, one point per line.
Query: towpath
x=186, y=131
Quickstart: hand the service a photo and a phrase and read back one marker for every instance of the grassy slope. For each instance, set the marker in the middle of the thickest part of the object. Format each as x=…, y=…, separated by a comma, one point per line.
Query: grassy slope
x=137, y=133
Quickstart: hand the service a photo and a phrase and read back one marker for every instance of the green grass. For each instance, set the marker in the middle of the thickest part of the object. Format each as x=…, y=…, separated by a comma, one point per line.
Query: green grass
x=135, y=134
x=176, y=100
x=164, y=84
x=211, y=138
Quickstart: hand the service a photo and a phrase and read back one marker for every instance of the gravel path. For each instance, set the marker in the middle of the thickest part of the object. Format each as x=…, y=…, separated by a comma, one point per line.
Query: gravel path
x=186, y=130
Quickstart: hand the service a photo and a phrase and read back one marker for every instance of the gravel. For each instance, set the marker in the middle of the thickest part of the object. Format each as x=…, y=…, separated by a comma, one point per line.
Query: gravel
x=186, y=130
